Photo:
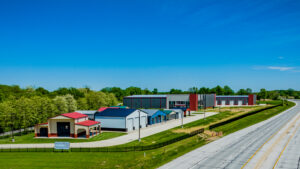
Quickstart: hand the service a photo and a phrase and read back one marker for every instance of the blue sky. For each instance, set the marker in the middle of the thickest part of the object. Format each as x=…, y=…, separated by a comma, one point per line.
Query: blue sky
x=150, y=44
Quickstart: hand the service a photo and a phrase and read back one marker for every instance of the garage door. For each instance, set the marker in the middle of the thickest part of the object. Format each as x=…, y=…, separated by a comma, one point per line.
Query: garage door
x=240, y=102
x=223, y=102
x=44, y=132
x=231, y=102
x=143, y=121
x=130, y=124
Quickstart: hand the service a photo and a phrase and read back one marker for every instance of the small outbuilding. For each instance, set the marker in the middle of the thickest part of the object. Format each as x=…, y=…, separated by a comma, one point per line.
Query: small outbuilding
x=155, y=116
x=121, y=119
x=179, y=113
x=68, y=125
x=170, y=114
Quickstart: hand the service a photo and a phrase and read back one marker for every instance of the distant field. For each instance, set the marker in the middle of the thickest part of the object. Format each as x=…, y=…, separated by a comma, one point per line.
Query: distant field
x=29, y=138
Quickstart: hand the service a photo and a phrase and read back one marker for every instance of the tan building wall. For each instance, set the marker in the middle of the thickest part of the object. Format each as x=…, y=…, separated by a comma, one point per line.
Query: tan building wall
x=52, y=123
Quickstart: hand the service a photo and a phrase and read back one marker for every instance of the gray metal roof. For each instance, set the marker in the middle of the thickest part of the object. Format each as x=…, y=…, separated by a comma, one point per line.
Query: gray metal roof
x=177, y=110
x=233, y=96
x=150, y=112
x=87, y=112
x=146, y=96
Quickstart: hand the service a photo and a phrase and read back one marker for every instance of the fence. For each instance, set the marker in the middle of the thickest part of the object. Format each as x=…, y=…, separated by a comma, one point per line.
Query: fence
x=16, y=133
x=240, y=117
x=110, y=149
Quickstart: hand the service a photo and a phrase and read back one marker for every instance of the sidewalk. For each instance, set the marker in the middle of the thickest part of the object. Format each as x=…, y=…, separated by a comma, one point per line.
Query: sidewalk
x=118, y=140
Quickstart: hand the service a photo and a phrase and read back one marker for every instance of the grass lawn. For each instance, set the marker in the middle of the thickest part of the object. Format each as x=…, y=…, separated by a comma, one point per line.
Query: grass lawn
x=132, y=160
x=103, y=160
x=252, y=119
x=29, y=138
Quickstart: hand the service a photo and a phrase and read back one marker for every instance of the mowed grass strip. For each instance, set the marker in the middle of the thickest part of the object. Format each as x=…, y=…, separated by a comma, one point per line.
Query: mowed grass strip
x=86, y=160
x=252, y=119
x=29, y=138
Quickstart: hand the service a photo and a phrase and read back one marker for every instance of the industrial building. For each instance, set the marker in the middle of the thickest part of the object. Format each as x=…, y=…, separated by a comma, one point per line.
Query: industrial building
x=118, y=119
x=170, y=101
x=236, y=100
x=68, y=125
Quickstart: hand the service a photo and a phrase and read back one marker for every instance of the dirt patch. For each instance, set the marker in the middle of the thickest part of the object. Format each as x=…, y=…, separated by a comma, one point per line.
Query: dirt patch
x=188, y=130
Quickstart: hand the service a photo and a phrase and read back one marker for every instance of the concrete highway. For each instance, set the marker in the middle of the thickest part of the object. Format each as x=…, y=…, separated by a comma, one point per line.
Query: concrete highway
x=274, y=143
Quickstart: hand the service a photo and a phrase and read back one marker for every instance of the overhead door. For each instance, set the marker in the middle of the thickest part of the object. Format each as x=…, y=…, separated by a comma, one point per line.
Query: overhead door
x=63, y=129
x=231, y=102
x=44, y=132
x=223, y=102
x=143, y=121
x=130, y=124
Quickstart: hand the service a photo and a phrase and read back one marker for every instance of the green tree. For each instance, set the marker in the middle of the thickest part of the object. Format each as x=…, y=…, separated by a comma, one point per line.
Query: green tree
x=204, y=90
x=176, y=91
x=242, y=92
x=193, y=90
x=71, y=103
x=155, y=91
x=61, y=105
x=249, y=91
x=228, y=90
x=262, y=94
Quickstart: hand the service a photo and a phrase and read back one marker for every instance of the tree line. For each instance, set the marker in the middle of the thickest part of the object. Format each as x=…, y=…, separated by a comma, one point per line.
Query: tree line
x=24, y=107
x=219, y=90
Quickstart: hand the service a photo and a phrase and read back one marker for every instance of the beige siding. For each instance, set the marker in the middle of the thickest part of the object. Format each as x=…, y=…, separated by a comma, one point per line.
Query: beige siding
x=53, y=126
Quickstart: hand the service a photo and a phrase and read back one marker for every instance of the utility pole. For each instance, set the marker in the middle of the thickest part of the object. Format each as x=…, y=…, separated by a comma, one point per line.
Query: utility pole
x=139, y=126
x=204, y=106
x=182, y=119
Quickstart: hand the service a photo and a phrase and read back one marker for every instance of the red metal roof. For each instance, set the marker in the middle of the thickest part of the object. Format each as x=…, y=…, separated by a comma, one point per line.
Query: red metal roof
x=42, y=123
x=88, y=123
x=102, y=109
x=74, y=115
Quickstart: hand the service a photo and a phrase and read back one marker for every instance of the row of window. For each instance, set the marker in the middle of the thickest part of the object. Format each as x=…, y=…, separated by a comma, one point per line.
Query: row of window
x=230, y=100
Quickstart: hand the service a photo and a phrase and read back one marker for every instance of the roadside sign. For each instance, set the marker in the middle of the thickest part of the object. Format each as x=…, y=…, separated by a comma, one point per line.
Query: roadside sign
x=62, y=145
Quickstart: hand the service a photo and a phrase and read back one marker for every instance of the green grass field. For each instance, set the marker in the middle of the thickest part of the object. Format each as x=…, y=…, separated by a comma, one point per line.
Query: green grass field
x=132, y=160
x=103, y=160
x=29, y=138
x=252, y=119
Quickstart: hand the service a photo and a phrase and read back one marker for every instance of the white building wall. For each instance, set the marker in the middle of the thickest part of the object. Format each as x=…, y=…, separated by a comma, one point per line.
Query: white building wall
x=111, y=122
x=134, y=117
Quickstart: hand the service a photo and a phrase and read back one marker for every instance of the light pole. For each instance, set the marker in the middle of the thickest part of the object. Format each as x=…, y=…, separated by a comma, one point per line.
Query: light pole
x=181, y=118
x=139, y=126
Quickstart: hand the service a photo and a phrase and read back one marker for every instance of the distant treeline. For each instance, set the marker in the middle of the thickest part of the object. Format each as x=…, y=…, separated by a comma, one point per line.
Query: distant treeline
x=226, y=90
x=24, y=107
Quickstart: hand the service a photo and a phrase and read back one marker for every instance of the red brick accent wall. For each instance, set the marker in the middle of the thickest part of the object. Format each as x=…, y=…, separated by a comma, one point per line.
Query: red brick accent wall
x=194, y=102
x=71, y=135
x=75, y=136
x=52, y=135
x=87, y=136
x=251, y=99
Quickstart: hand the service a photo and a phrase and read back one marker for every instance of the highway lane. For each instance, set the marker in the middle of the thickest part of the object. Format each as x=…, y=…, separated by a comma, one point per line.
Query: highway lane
x=236, y=150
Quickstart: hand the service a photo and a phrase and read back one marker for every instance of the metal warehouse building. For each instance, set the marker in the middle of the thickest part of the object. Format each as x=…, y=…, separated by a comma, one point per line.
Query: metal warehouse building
x=121, y=119
x=236, y=100
x=170, y=101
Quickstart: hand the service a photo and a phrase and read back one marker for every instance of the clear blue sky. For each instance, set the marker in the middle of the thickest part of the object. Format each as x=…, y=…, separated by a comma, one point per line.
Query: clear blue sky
x=150, y=44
